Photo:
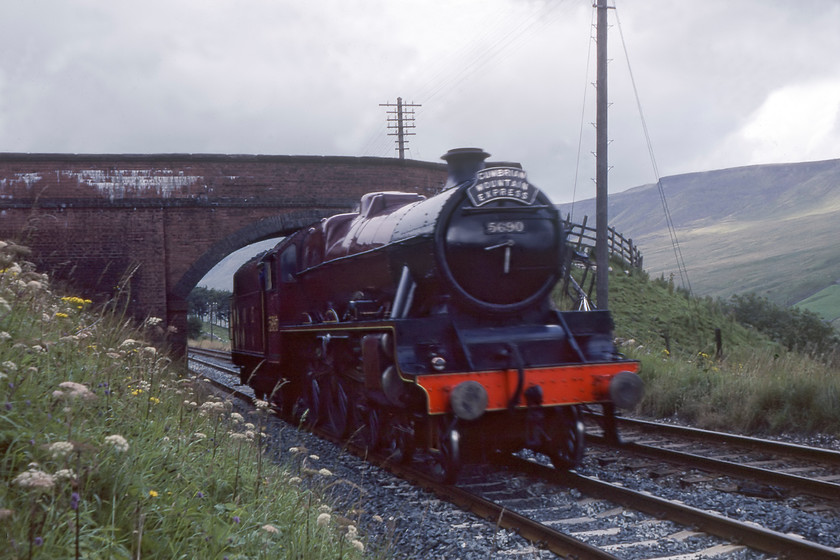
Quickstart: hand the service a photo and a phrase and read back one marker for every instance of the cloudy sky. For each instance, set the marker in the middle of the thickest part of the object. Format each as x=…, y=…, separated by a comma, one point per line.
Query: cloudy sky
x=720, y=83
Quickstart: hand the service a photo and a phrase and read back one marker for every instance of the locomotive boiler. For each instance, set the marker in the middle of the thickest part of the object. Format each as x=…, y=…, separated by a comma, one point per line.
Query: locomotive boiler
x=428, y=324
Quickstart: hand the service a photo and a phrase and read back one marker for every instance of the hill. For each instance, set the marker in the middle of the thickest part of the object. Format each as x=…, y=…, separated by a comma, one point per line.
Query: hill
x=768, y=229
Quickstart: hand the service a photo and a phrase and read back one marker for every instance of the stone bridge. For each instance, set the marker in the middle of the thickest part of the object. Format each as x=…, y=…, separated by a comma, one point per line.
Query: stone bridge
x=146, y=228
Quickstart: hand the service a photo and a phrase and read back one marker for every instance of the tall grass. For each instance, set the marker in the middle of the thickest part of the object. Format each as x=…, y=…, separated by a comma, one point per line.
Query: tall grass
x=110, y=450
x=754, y=386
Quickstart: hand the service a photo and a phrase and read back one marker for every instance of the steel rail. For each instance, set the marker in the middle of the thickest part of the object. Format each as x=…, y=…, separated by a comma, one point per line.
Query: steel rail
x=812, y=486
x=802, y=451
x=754, y=536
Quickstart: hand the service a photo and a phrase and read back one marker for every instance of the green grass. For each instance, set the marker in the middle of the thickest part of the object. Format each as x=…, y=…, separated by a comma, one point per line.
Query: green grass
x=108, y=449
x=825, y=303
x=755, y=386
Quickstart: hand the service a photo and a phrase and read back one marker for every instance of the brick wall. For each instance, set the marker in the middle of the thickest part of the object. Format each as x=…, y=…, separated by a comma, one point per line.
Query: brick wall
x=167, y=219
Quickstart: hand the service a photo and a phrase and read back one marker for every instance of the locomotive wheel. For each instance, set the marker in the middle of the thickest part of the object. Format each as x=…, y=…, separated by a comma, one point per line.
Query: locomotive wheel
x=337, y=409
x=399, y=441
x=565, y=448
x=448, y=460
x=308, y=406
x=370, y=427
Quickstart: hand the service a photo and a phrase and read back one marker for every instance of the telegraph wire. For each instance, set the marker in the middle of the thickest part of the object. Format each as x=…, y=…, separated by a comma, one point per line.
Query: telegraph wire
x=672, y=231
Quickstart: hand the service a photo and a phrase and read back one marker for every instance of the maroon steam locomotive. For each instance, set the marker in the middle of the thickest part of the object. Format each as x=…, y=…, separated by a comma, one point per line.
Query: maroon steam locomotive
x=428, y=323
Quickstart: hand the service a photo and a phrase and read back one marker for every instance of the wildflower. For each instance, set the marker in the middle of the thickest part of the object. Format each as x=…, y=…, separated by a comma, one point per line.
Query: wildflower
x=270, y=529
x=65, y=474
x=38, y=541
x=60, y=449
x=153, y=321
x=151, y=351
x=154, y=400
x=295, y=480
x=199, y=494
x=4, y=513
x=358, y=545
x=199, y=435
x=323, y=519
x=324, y=508
x=3, y=334
x=61, y=315
x=352, y=532
x=119, y=443
x=236, y=519
x=294, y=450
x=250, y=426
x=260, y=404
x=9, y=366
x=236, y=417
x=378, y=518
x=34, y=478
x=128, y=342
x=76, y=390
x=153, y=494
x=238, y=436
x=314, y=457
x=324, y=472
x=211, y=407
x=74, y=501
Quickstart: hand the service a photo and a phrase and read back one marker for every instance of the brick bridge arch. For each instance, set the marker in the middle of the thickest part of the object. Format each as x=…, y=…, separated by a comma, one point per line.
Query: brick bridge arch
x=153, y=225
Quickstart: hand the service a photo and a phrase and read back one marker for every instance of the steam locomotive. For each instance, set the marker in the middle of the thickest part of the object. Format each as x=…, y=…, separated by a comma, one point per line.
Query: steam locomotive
x=427, y=324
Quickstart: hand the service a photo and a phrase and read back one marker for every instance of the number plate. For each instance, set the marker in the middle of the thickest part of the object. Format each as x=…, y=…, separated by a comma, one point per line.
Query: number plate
x=504, y=227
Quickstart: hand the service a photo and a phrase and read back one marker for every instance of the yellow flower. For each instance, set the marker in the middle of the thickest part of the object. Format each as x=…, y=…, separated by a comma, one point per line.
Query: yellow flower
x=154, y=400
x=62, y=315
x=153, y=494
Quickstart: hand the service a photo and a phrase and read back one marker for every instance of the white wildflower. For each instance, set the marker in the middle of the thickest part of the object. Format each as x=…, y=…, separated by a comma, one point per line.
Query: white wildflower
x=65, y=474
x=324, y=472
x=323, y=519
x=270, y=529
x=118, y=442
x=60, y=449
x=34, y=478
x=357, y=544
x=236, y=417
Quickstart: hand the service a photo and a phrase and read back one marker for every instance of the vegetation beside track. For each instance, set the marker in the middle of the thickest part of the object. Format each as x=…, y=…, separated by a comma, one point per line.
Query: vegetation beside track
x=108, y=449
x=757, y=384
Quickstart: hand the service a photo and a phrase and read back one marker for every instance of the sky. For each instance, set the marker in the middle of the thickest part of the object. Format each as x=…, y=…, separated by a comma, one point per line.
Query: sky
x=716, y=83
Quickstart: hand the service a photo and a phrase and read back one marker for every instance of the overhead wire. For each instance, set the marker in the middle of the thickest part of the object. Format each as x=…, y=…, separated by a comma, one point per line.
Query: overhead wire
x=449, y=74
x=672, y=231
x=586, y=87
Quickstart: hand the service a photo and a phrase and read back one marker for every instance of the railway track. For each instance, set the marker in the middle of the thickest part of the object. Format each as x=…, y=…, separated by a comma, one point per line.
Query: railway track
x=789, y=467
x=580, y=516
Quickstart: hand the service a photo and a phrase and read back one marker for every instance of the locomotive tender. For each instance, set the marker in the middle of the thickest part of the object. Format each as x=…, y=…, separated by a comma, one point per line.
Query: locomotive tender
x=427, y=323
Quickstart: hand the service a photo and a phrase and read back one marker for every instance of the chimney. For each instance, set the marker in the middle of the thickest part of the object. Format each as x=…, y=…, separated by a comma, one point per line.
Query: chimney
x=463, y=164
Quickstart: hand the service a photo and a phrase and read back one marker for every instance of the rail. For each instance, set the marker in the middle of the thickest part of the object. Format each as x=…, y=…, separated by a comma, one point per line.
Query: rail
x=582, y=238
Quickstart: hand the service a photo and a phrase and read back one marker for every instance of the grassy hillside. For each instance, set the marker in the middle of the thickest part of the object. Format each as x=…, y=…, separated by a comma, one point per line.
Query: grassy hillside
x=768, y=229
x=825, y=303
x=754, y=386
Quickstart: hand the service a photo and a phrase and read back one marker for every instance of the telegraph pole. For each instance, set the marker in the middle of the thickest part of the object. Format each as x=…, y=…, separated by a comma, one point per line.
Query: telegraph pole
x=401, y=119
x=601, y=162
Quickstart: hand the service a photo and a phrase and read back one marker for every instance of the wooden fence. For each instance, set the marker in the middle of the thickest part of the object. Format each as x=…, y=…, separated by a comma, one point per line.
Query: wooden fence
x=581, y=239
